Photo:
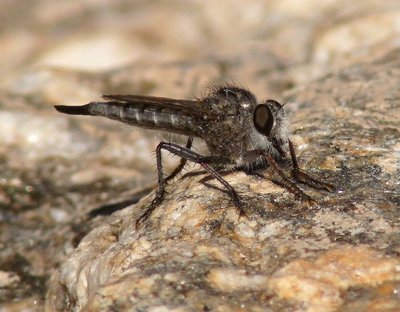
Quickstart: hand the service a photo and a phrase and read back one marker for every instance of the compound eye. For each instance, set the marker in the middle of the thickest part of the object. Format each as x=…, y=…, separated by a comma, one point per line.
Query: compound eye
x=263, y=119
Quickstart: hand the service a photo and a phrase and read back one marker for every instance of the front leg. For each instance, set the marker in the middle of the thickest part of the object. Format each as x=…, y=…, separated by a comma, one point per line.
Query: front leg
x=303, y=177
x=252, y=155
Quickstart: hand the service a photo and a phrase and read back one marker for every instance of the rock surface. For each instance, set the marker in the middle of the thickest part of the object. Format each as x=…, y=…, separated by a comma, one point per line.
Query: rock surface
x=195, y=254
x=334, y=63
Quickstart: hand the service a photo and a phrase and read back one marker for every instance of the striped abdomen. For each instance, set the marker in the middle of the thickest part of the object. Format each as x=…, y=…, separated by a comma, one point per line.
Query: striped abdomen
x=162, y=118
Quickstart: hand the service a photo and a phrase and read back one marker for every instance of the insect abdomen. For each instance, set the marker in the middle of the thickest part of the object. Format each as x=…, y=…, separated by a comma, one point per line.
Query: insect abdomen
x=143, y=116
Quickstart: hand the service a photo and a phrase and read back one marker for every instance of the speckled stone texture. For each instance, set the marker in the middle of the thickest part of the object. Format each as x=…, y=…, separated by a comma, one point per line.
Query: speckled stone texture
x=333, y=62
x=195, y=254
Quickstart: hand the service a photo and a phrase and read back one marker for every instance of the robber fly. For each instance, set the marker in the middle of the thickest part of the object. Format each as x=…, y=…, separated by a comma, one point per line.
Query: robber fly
x=240, y=133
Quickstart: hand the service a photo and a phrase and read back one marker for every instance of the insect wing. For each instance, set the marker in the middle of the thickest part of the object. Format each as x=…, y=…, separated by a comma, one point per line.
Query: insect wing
x=189, y=107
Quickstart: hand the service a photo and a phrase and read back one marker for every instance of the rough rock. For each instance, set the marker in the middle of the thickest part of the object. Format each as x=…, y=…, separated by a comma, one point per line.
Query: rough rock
x=60, y=175
x=194, y=253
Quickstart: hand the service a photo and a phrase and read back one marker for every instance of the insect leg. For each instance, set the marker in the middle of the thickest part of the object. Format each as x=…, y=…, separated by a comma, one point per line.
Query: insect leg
x=303, y=177
x=182, y=163
x=288, y=184
x=285, y=181
x=231, y=191
x=190, y=155
x=161, y=187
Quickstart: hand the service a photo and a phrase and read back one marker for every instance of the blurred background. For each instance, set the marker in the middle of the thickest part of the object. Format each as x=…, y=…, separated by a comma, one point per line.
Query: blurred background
x=55, y=169
x=256, y=40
